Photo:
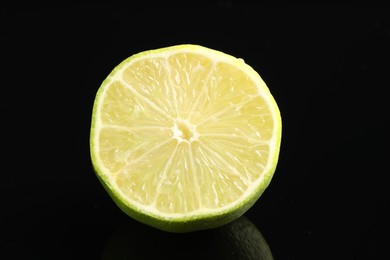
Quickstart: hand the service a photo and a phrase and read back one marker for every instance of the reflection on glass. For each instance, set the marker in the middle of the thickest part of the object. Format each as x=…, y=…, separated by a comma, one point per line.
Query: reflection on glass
x=238, y=240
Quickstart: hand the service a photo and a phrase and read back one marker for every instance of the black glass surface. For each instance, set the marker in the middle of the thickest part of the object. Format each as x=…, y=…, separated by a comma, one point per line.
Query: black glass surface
x=326, y=65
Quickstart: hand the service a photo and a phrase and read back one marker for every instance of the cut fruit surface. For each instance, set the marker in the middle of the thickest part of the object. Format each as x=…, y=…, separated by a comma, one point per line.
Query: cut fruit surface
x=185, y=137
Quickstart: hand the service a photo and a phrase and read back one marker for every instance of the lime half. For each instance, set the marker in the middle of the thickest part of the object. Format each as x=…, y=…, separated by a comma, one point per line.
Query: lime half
x=184, y=138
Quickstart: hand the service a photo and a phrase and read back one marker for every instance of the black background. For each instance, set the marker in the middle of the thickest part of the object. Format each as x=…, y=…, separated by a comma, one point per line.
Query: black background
x=326, y=65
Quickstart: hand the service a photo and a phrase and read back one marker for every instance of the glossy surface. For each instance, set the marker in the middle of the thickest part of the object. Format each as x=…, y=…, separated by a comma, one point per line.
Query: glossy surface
x=327, y=67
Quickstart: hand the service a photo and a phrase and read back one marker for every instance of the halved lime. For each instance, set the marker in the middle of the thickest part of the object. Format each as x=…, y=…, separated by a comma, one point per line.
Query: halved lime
x=184, y=137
